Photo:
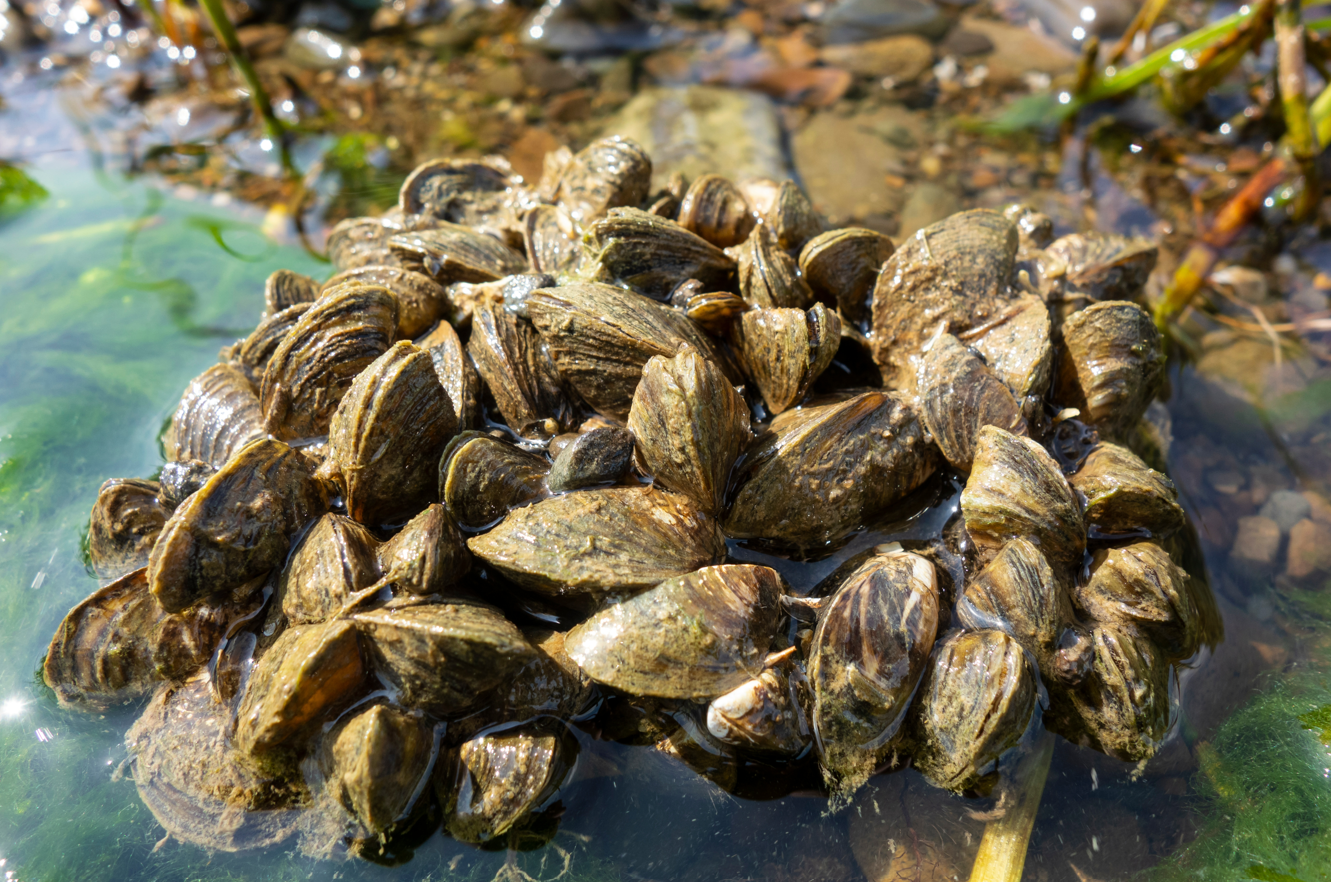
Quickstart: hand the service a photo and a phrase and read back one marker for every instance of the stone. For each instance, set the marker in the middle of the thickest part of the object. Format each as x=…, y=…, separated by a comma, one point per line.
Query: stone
x=852, y=21
x=901, y=58
x=845, y=161
x=1019, y=51
x=1309, y=549
x=699, y=129
x=1257, y=541
x=928, y=203
x=1319, y=506
x=1286, y=508
x=965, y=43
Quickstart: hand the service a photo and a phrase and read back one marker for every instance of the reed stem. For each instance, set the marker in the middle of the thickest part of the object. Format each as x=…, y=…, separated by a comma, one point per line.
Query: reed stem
x=1002, y=854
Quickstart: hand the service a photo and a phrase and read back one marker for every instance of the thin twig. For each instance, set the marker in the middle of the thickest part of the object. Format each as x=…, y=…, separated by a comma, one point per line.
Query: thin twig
x=1142, y=23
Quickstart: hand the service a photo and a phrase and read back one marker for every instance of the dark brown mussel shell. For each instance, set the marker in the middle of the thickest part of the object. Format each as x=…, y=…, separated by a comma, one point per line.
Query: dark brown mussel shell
x=1122, y=708
x=551, y=240
x=187, y=773
x=602, y=541
x=1124, y=495
x=376, y=763
x=690, y=425
x=253, y=353
x=115, y=645
x=768, y=276
x=456, y=372
x=363, y=241
x=650, y=254
x=1018, y=350
x=334, y=559
x=820, y=472
x=304, y=679
x=236, y=527
x=420, y=299
x=694, y=636
x=1138, y=587
x=460, y=191
x=442, y=657
x=785, y=350
x=597, y=456
x=869, y=650
x=714, y=310
x=765, y=714
x=180, y=480
x=714, y=208
x=285, y=288
x=975, y=702
x=126, y=520
x=1112, y=365
x=427, y=556
x=1098, y=266
x=600, y=337
x=452, y=253
x=792, y=218
x=1016, y=490
x=606, y=174
x=494, y=779
x=841, y=266
x=218, y=414
x=346, y=329
x=1035, y=227
x=518, y=371
x=959, y=395
x=550, y=684
x=386, y=437
x=481, y=478
x=955, y=272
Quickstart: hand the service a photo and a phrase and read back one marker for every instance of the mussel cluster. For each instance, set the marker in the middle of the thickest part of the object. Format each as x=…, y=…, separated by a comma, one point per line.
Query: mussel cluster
x=487, y=483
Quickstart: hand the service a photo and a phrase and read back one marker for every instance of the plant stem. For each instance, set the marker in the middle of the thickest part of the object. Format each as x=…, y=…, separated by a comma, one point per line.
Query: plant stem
x=1002, y=854
x=1141, y=23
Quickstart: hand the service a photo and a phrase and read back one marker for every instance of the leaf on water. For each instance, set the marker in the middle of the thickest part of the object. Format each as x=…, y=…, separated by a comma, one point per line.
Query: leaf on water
x=1318, y=721
x=18, y=191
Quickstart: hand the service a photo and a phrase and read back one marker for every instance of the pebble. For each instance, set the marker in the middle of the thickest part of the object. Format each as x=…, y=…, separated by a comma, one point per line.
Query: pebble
x=845, y=160
x=1226, y=481
x=1319, y=506
x=315, y=50
x=1020, y=51
x=963, y=43
x=1258, y=540
x=1309, y=549
x=1286, y=508
x=928, y=203
x=698, y=129
x=901, y=58
x=851, y=21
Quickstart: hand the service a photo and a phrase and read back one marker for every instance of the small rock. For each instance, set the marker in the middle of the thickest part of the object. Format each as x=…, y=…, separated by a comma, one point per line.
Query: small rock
x=527, y=153
x=1257, y=541
x=851, y=21
x=1286, y=508
x=928, y=203
x=699, y=129
x=315, y=50
x=901, y=58
x=1319, y=506
x=845, y=161
x=1019, y=51
x=502, y=82
x=963, y=43
x=1309, y=549
x=1226, y=481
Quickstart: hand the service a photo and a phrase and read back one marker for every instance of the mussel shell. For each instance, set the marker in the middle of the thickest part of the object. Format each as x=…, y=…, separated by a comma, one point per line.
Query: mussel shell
x=186, y=772
x=694, y=636
x=1139, y=588
x=1018, y=349
x=442, y=657
x=456, y=372
x=603, y=541
x=1101, y=266
x=285, y=288
x=387, y=434
x=959, y=395
x=518, y=371
x=1035, y=227
x=690, y=425
x=869, y=650
x=841, y=267
x=236, y=527
x=551, y=240
x=376, y=763
x=955, y=272
x=768, y=276
x=606, y=174
x=334, y=559
x=792, y=218
x=600, y=337
x=822, y=471
x=494, y=779
x=481, y=478
x=126, y=520
x=180, y=480
x=1124, y=495
x=118, y=643
x=460, y=191
x=452, y=253
x=714, y=310
x=420, y=299
x=253, y=353
x=716, y=209
x=764, y=714
x=549, y=685
x=427, y=556
x=650, y=254
x=1016, y=490
x=975, y=702
x=345, y=330
x=785, y=350
x=363, y=241
x=217, y=416
x=305, y=678
x=1111, y=366
x=597, y=456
